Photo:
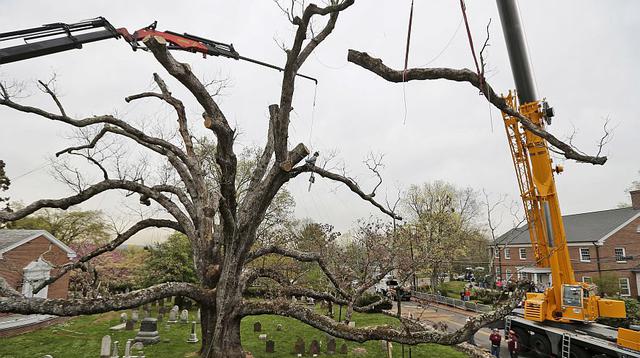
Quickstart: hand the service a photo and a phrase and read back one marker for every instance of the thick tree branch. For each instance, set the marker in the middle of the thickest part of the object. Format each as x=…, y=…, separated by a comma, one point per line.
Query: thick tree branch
x=75, y=307
x=6, y=290
x=376, y=66
x=119, y=240
x=353, y=186
x=410, y=335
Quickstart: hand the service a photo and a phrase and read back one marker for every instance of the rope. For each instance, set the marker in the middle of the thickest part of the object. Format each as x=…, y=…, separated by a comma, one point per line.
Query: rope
x=313, y=112
x=473, y=51
x=406, y=63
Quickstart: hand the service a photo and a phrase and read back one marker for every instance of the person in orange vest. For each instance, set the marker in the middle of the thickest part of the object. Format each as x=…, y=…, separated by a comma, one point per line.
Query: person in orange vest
x=495, y=339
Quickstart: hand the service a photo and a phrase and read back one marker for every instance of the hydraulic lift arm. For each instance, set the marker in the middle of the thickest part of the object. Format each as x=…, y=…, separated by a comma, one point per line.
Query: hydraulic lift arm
x=57, y=37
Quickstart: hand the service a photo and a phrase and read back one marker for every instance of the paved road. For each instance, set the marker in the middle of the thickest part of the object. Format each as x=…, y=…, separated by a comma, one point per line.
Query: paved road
x=454, y=319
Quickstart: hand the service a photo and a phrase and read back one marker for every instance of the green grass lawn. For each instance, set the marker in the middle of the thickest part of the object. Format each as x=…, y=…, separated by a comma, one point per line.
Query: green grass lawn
x=80, y=337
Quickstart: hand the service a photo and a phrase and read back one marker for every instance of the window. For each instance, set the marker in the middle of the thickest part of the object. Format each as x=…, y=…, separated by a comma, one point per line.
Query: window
x=620, y=254
x=496, y=253
x=587, y=279
x=625, y=290
x=498, y=272
x=507, y=253
x=585, y=256
x=523, y=253
x=507, y=274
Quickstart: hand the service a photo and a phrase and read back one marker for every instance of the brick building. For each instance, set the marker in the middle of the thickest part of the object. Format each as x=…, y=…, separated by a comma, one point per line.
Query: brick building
x=599, y=242
x=28, y=257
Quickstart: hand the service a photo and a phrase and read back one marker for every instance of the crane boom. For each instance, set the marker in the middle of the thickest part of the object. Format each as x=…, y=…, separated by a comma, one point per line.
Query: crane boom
x=565, y=300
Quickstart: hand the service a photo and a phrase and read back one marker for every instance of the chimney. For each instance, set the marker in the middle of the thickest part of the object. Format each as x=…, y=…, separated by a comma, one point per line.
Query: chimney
x=635, y=199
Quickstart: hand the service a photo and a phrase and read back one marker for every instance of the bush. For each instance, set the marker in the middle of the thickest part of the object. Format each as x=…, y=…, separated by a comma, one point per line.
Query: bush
x=368, y=298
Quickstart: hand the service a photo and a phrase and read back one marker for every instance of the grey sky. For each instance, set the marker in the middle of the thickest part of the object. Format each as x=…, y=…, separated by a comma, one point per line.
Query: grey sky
x=584, y=55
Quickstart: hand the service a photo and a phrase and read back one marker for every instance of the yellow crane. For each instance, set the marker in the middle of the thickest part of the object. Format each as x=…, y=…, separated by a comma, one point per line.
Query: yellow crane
x=565, y=301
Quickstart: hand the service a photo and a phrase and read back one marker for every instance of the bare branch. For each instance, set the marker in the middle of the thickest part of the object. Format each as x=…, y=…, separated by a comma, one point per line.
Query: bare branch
x=376, y=66
x=119, y=240
x=75, y=307
x=352, y=185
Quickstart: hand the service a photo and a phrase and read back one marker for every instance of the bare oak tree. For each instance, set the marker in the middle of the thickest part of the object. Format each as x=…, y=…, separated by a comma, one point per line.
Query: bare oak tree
x=222, y=225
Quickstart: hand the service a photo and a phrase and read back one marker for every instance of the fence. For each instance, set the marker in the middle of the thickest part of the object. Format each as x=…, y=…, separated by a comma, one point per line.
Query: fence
x=453, y=302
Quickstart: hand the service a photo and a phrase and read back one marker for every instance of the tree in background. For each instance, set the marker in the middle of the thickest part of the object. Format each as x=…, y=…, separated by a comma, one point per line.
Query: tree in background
x=69, y=226
x=442, y=225
x=169, y=261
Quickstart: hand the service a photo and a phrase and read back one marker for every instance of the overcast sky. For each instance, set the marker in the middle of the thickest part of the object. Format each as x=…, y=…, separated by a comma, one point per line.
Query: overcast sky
x=584, y=55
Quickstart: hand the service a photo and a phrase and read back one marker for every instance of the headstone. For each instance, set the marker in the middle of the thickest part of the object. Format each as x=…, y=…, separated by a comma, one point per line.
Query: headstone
x=118, y=327
x=184, y=316
x=294, y=300
x=198, y=318
x=48, y=356
x=352, y=324
x=160, y=317
x=127, y=349
x=262, y=337
x=192, y=337
x=299, y=346
x=314, y=347
x=148, y=333
x=114, y=350
x=105, y=347
x=360, y=351
x=257, y=327
x=271, y=346
x=175, y=308
x=146, y=314
x=331, y=346
x=383, y=346
x=137, y=346
x=135, y=316
x=279, y=327
x=123, y=317
x=173, y=317
x=311, y=301
x=129, y=325
x=344, y=349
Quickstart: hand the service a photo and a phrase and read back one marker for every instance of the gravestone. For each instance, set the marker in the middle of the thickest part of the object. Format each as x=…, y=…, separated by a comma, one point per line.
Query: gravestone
x=198, y=318
x=137, y=346
x=146, y=314
x=135, y=316
x=314, y=347
x=257, y=327
x=184, y=316
x=175, y=308
x=344, y=349
x=360, y=351
x=192, y=337
x=129, y=325
x=262, y=337
x=383, y=346
x=123, y=317
x=173, y=317
x=115, y=349
x=160, y=317
x=294, y=300
x=299, y=346
x=271, y=346
x=105, y=347
x=148, y=333
x=118, y=327
x=127, y=349
x=279, y=327
x=352, y=324
x=331, y=346
x=311, y=301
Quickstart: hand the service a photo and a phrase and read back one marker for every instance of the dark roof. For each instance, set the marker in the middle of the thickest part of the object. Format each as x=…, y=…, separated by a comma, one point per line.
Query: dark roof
x=10, y=237
x=585, y=227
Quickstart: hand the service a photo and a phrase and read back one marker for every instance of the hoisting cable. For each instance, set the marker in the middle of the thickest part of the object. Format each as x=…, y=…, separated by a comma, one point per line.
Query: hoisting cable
x=406, y=63
x=473, y=51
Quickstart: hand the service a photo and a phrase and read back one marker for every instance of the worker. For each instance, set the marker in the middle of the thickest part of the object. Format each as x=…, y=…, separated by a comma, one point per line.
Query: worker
x=513, y=344
x=495, y=339
x=471, y=339
x=312, y=162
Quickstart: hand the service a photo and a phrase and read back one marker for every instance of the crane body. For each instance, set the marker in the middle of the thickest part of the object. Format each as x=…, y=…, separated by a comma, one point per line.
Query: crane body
x=566, y=300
